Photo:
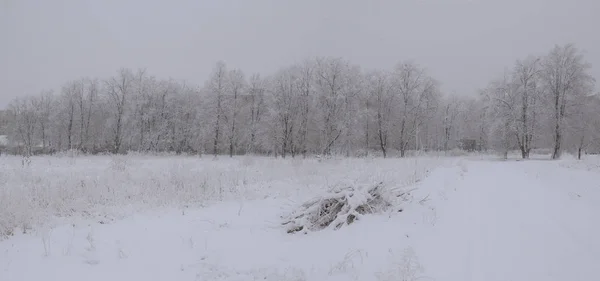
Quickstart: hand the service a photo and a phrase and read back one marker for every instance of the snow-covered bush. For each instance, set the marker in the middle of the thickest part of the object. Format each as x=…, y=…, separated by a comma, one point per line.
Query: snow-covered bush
x=342, y=205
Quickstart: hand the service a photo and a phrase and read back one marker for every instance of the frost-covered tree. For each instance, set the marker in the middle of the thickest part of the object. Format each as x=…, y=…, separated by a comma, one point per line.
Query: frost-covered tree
x=236, y=89
x=285, y=111
x=515, y=106
x=526, y=77
x=502, y=95
x=583, y=125
x=257, y=107
x=451, y=109
x=414, y=87
x=44, y=105
x=323, y=105
x=335, y=85
x=384, y=101
x=566, y=76
x=24, y=120
x=87, y=103
x=217, y=88
x=304, y=83
x=119, y=89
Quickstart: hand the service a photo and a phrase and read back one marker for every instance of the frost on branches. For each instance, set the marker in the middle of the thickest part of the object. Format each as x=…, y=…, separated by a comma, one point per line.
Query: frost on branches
x=342, y=205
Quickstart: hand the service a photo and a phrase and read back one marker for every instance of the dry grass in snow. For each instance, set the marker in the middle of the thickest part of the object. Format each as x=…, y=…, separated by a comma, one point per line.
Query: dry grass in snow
x=105, y=187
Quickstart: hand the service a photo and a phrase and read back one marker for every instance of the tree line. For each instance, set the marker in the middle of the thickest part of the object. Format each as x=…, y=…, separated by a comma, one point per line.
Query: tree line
x=320, y=106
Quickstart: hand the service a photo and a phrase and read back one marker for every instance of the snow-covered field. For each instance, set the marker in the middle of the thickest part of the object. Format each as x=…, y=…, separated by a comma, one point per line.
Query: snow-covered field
x=191, y=218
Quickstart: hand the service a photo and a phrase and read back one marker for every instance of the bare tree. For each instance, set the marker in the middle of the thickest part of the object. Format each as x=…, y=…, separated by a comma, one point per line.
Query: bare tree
x=503, y=98
x=24, y=120
x=428, y=100
x=514, y=104
x=412, y=85
x=305, y=85
x=333, y=82
x=318, y=106
x=217, y=88
x=71, y=92
x=142, y=99
x=352, y=90
x=85, y=97
x=451, y=111
x=44, y=105
x=565, y=74
x=526, y=76
x=584, y=123
x=119, y=89
x=257, y=107
x=183, y=122
x=379, y=88
x=237, y=85
x=285, y=111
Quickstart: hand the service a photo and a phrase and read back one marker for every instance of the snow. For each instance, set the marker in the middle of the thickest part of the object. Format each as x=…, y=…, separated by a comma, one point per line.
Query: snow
x=470, y=219
x=518, y=221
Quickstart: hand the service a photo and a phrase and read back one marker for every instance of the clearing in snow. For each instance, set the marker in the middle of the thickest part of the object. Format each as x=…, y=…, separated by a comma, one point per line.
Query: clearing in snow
x=185, y=218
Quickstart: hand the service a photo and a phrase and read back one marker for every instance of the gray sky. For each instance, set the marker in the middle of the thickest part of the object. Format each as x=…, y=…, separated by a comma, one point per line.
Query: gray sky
x=463, y=43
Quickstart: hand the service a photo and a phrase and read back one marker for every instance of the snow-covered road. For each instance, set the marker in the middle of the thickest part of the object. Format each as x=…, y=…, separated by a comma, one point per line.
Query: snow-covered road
x=478, y=220
x=514, y=220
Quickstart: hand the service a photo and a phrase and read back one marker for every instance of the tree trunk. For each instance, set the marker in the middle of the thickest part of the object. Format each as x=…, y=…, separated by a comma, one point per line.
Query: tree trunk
x=70, y=128
x=217, y=131
x=557, y=128
x=581, y=145
x=402, y=132
x=117, y=140
x=524, y=143
x=557, y=140
x=506, y=139
x=367, y=129
x=382, y=144
x=232, y=137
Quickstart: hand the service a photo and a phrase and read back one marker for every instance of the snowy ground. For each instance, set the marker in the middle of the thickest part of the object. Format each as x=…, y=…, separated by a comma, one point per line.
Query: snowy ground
x=470, y=219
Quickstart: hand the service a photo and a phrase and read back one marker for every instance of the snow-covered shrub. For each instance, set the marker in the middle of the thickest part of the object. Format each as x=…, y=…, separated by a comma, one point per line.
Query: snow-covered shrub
x=340, y=206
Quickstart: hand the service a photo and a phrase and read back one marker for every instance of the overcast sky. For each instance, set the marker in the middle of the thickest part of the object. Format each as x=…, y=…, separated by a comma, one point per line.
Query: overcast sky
x=463, y=43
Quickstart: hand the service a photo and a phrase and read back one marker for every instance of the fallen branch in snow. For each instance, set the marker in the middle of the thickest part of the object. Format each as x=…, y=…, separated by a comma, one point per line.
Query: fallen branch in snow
x=406, y=192
x=340, y=207
x=424, y=199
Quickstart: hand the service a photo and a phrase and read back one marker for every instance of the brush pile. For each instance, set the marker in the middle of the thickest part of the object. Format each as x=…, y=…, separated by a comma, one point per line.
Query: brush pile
x=341, y=206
